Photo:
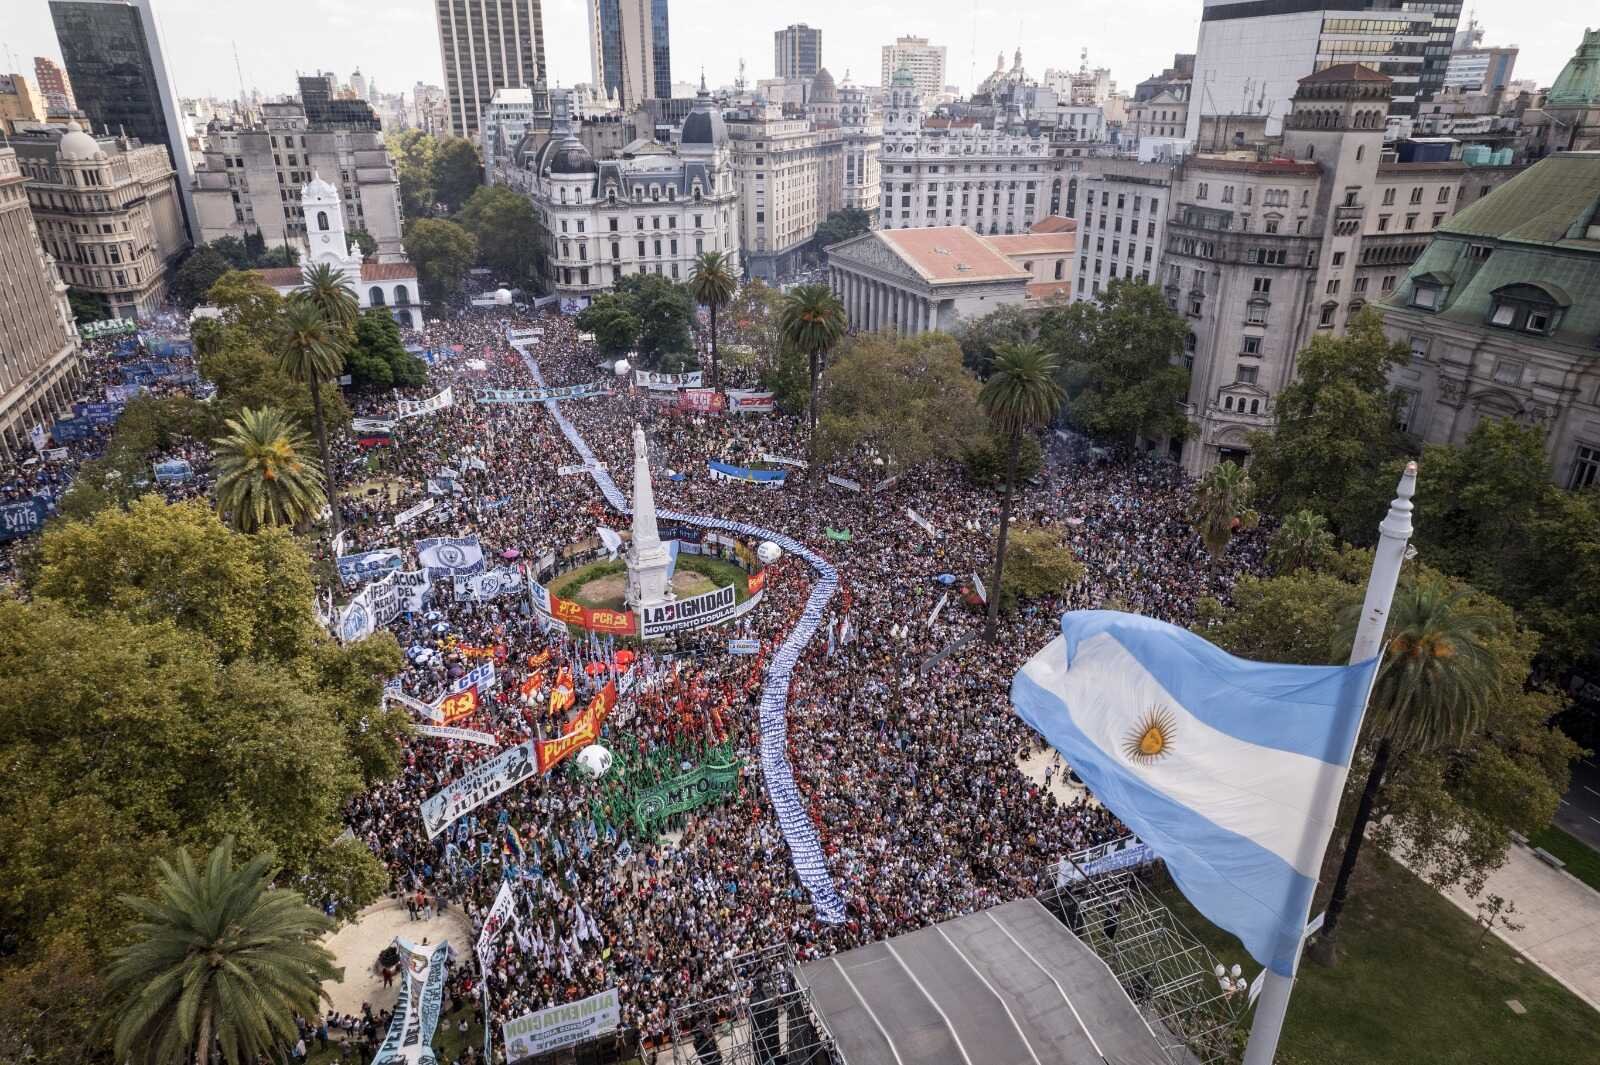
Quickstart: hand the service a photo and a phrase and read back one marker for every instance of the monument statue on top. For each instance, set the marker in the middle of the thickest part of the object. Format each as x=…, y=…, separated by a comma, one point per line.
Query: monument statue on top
x=648, y=559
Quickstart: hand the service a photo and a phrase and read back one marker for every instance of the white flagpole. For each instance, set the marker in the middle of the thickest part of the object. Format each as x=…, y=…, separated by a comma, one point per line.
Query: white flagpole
x=1393, y=534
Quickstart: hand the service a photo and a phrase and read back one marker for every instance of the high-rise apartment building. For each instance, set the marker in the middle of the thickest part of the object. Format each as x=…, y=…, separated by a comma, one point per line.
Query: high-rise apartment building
x=120, y=77
x=53, y=83
x=1480, y=69
x=39, y=355
x=630, y=50
x=1251, y=56
x=924, y=61
x=19, y=102
x=487, y=45
x=796, y=52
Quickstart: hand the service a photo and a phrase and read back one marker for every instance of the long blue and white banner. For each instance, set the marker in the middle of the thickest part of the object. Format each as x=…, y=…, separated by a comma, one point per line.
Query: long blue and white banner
x=794, y=820
x=539, y=395
x=409, y=1040
x=368, y=565
x=721, y=471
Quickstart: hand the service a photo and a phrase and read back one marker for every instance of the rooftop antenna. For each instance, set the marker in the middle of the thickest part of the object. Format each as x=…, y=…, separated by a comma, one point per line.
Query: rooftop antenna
x=239, y=70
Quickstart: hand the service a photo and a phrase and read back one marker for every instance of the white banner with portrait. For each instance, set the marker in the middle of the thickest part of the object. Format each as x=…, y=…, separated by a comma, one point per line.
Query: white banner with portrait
x=416, y=408
x=409, y=1040
x=481, y=783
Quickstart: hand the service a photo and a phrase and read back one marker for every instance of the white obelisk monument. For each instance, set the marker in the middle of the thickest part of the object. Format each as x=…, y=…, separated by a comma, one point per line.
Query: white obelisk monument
x=648, y=560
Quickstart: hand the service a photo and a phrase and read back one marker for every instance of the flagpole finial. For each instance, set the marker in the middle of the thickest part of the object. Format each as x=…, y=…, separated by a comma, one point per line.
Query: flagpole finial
x=1397, y=524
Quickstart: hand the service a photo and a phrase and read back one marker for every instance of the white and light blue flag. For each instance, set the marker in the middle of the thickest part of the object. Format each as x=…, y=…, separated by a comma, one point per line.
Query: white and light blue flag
x=1231, y=770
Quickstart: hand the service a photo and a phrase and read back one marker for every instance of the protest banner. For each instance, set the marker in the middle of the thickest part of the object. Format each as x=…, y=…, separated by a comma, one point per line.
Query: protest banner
x=416, y=706
x=667, y=382
x=502, y=913
x=417, y=408
x=595, y=619
x=692, y=613
x=484, y=587
x=785, y=460
x=922, y=523
x=411, y=513
x=749, y=401
x=744, y=647
x=482, y=782
x=543, y=1031
x=540, y=395
x=582, y=731
x=845, y=483
x=450, y=556
x=712, y=779
x=481, y=677
x=721, y=471
x=459, y=705
x=56, y=454
x=409, y=1040
x=411, y=589
x=20, y=519
x=465, y=735
x=701, y=400
x=173, y=471
x=368, y=565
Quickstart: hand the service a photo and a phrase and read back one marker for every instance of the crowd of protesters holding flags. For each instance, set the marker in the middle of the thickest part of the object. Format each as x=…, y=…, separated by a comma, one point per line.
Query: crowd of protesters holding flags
x=907, y=761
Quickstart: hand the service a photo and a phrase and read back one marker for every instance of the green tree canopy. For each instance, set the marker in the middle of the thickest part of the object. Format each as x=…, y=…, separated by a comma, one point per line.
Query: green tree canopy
x=360, y=239
x=909, y=400
x=664, y=309
x=980, y=338
x=842, y=225
x=1038, y=563
x=611, y=319
x=1117, y=361
x=247, y=301
x=442, y=252
x=378, y=359
x=413, y=152
x=457, y=171
x=1336, y=431
x=265, y=472
x=1221, y=507
x=811, y=321
x=196, y=276
x=986, y=459
x=502, y=223
x=1301, y=542
x=87, y=306
x=151, y=427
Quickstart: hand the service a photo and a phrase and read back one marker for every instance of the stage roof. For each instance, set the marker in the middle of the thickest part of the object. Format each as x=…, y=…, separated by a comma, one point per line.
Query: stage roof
x=1006, y=986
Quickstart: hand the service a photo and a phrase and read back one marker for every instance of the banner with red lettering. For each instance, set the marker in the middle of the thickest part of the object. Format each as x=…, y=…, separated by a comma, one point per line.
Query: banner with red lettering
x=595, y=619
x=584, y=730
x=703, y=400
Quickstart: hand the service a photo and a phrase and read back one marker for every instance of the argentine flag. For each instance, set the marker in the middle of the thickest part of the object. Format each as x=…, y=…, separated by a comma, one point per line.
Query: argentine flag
x=1230, y=770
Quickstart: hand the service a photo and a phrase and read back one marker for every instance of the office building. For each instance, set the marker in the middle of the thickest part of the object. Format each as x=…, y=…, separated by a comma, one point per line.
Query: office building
x=1502, y=316
x=651, y=211
x=19, y=103
x=1123, y=214
x=925, y=63
x=1265, y=252
x=487, y=45
x=121, y=78
x=252, y=170
x=912, y=281
x=1251, y=56
x=860, y=130
x=107, y=209
x=392, y=285
x=53, y=84
x=326, y=107
x=508, y=118
x=782, y=165
x=1479, y=69
x=630, y=51
x=39, y=356
x=796, y=52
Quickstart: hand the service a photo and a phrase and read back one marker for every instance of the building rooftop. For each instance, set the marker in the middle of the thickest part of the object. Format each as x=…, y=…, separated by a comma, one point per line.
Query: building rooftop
x=1345, y=72
x=291, y=276
x=1055, y=242
x=1054, y=223
x=950, y=253
x=1554, y=201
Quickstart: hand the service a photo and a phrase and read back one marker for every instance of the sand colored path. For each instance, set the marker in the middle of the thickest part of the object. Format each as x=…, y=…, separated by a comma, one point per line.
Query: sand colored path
x=356, y=947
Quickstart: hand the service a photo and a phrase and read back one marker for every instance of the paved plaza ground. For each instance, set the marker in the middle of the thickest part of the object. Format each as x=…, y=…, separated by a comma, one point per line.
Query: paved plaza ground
x=356, y=947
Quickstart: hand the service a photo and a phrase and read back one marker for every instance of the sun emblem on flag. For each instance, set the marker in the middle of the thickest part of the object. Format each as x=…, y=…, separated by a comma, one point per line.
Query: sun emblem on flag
x=1150, y=739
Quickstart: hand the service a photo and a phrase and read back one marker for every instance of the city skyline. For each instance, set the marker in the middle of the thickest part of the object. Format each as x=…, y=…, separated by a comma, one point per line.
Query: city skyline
x=201, y=38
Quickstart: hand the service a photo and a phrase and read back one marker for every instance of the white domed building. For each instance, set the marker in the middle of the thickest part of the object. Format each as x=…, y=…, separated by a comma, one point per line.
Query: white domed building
x=653, y=210
x=377, y=284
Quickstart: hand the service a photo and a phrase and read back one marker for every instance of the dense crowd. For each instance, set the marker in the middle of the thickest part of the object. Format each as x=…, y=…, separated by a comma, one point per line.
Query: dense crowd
x=908, y=760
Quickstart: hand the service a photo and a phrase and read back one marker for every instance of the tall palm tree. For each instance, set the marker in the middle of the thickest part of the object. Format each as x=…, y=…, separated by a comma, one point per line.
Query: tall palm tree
x=220, y=957
x=1432, y=690
x=811, y=322
x=1301, y=542
x=310, y=352
x=330, y=291
x=1020, y=395
x=1220, y=508
x=713, y=284
x=265, y=475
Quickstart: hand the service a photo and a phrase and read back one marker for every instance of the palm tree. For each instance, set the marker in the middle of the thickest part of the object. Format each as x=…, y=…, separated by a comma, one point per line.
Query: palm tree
x=220, y=957
x=1301, y=542
x=1020, y=395
x=264, y=473
x=713, y=284
x=330, y=291
x=1219, y=509
x=1432, y=690
x=309, y=351
x=811, y=322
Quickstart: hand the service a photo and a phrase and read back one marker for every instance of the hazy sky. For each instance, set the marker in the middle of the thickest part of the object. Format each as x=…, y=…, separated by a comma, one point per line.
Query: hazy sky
x=396, y=40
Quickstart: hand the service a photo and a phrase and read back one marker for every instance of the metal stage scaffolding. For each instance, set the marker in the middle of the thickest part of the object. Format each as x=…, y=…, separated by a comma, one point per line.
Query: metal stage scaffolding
x=1167, y=973
x=767, y=1019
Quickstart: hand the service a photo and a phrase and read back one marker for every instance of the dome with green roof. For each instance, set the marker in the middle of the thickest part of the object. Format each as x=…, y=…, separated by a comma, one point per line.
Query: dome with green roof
x=1578, y=84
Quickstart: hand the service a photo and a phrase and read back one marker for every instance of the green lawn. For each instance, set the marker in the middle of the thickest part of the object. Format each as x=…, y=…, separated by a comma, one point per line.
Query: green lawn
x=1413, y=987
x=1582, y=860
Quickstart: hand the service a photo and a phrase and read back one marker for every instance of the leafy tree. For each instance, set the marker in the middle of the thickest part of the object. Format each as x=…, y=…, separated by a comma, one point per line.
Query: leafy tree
x=1020, y=395
x=812, y=321
x=1220, y=508
x=909, y=400
x=785, y=376
x=842, y=225
x=238, y=254
x=150, y=428
x=980, y=338
x=379, y=359
x=1489, y=513
x=502, y=223
x=1336, y=431
x=611, y=319
x=457, y=171
x=1116, y=357
x=248, y=375
x=413, y=151
x=442, y=252
x=664, y=310
x=195, y=277
x=309, y=352
x=1301, y=542
x=87, y=306
x=50, y=1008
x=246, y=301
x=712, y=283
x=221, y=958
x=265, y=474
x=1038, y=563
x=987, y=458
x=366, y=242
x=279, y=255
